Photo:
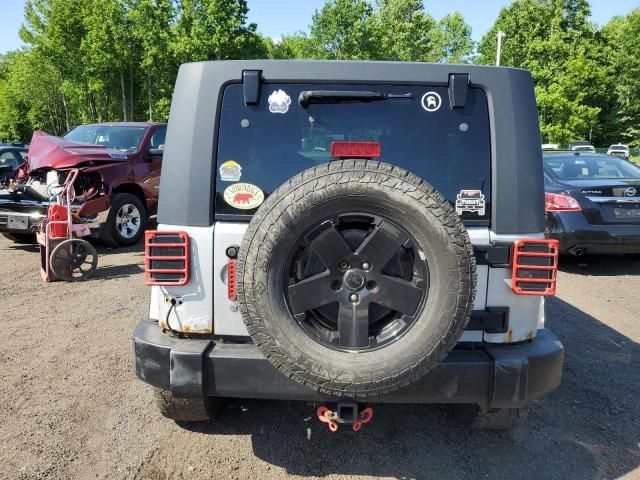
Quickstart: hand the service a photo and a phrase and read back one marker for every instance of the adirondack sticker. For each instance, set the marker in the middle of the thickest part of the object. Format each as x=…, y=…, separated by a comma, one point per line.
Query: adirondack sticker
x=243, y=196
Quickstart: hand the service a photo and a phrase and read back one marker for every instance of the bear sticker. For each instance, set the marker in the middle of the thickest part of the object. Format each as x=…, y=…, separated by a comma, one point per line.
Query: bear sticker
x=243, y=196
x=279, y=102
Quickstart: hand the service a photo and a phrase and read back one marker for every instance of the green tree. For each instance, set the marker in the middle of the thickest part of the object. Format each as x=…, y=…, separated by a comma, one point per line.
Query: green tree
x=215, y=30
x=152, y=22
x=622, y=44
x=345, y=30
x=108, y=50
x=407, y=32
x=556, y=42
x=296, y=46
x=31, y=97
x=54, y=29
x=455, y=39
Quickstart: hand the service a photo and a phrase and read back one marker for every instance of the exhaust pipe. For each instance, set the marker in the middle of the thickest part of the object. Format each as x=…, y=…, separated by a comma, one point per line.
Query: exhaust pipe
x=576, y=251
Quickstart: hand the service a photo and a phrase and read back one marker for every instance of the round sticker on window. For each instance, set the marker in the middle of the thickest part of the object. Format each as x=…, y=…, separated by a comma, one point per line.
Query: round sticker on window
x=431, y=102
x=243, y=196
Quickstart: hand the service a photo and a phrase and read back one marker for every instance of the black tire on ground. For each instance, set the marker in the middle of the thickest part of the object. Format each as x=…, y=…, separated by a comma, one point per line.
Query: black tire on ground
x=319, y=198
x=114, y=232
x=21, y=238
x=185, y=409
x=482, y=418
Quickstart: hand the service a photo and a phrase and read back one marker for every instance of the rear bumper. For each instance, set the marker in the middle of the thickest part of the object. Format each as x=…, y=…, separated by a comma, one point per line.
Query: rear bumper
x=574, y=232
x=497, y=376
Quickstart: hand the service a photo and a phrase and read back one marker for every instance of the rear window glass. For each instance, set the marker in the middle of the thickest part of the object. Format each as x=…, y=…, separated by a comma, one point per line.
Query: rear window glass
x=266, y=146
x=585, y=168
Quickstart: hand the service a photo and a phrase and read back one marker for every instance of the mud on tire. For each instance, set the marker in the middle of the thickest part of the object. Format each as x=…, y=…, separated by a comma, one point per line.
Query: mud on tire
x=325, y=195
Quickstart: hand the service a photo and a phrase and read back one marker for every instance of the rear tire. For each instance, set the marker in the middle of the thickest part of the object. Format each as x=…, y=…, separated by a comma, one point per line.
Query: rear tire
x=497, y=419
x=118, y=233
x=180, y=409
x=21, y=238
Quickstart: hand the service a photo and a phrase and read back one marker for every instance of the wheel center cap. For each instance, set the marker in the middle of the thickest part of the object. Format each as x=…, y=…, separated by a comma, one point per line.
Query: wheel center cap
x=354, y=279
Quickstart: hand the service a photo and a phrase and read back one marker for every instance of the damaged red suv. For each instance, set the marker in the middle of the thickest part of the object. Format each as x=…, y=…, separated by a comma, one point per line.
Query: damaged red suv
x=116, y=190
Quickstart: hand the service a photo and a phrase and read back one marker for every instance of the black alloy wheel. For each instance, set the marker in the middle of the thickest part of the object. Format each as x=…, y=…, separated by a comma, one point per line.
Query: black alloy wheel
x=356, y=282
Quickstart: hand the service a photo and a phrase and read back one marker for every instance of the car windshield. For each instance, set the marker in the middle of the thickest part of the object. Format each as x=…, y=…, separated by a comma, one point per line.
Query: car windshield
x=123, y=138
x=586, y=168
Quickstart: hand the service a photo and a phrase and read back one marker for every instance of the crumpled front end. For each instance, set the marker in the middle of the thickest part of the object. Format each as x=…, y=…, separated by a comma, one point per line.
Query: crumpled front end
x=50, y=159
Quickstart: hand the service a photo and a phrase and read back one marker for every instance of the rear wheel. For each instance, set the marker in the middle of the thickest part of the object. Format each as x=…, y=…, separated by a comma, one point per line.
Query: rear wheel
x=483, y=418
x=126, y=221
x=200, y=409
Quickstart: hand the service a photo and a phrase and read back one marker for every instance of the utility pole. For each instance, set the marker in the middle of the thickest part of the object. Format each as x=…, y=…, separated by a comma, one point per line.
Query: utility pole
x=501, y=35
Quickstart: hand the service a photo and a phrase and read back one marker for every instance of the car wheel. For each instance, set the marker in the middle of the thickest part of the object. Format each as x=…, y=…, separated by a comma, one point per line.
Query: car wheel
x=356, y=278
x=180, y=409
x=126, y=221
x=482, y=418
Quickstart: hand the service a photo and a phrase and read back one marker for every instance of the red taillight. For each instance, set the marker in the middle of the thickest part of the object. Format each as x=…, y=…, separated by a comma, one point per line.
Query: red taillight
x=535, y=267
x=560, y=202
x=231, y=279
x=355, y=150
x=166, y=258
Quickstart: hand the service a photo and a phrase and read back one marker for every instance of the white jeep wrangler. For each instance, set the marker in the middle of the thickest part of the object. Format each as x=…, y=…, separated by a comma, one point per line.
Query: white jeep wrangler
x=350, y=233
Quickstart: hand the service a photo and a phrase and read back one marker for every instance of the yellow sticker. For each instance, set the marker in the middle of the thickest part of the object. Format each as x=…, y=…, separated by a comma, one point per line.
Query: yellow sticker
x=230, y=171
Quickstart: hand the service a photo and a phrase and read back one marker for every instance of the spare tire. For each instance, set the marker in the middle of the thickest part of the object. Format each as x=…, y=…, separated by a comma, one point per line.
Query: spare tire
x=355, y=278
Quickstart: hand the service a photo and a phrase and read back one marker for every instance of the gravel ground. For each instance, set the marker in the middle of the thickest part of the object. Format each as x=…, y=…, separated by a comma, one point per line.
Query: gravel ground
x=72, y=408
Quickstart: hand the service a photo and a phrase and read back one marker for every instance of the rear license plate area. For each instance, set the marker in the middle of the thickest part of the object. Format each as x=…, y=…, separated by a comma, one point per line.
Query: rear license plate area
x=17, y=222
x=629, y=212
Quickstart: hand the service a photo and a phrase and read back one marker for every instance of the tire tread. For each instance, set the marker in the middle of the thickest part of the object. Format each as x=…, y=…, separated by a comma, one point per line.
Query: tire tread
x=280, y=207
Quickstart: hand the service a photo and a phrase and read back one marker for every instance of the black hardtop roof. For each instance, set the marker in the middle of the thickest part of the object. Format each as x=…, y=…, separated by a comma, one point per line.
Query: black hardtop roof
x=392, y=65
x=516, y=178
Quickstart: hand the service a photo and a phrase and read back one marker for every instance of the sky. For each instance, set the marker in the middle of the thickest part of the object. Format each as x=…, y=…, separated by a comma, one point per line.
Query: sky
x=276, y=17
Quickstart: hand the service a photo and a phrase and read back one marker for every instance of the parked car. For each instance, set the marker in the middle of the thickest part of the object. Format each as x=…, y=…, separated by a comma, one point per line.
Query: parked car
x=550, y=146
x=11, y=157
x=580, y=145
x=116, y=191
x=592, y=203
x=361, y=238
x=619, y=150
x=584, y=148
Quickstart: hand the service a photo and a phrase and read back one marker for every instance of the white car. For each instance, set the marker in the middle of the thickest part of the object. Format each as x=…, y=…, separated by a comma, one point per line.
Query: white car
x=584, y=148
x=619, y=150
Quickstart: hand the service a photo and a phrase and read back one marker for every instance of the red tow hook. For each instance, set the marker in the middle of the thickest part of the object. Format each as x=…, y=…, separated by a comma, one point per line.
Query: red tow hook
x=346, y=412
x=327, y=416
x=364, y=416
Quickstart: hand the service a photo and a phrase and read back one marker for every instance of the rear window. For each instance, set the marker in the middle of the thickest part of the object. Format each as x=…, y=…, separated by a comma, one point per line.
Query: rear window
x=590, y=168
x=264, y=145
